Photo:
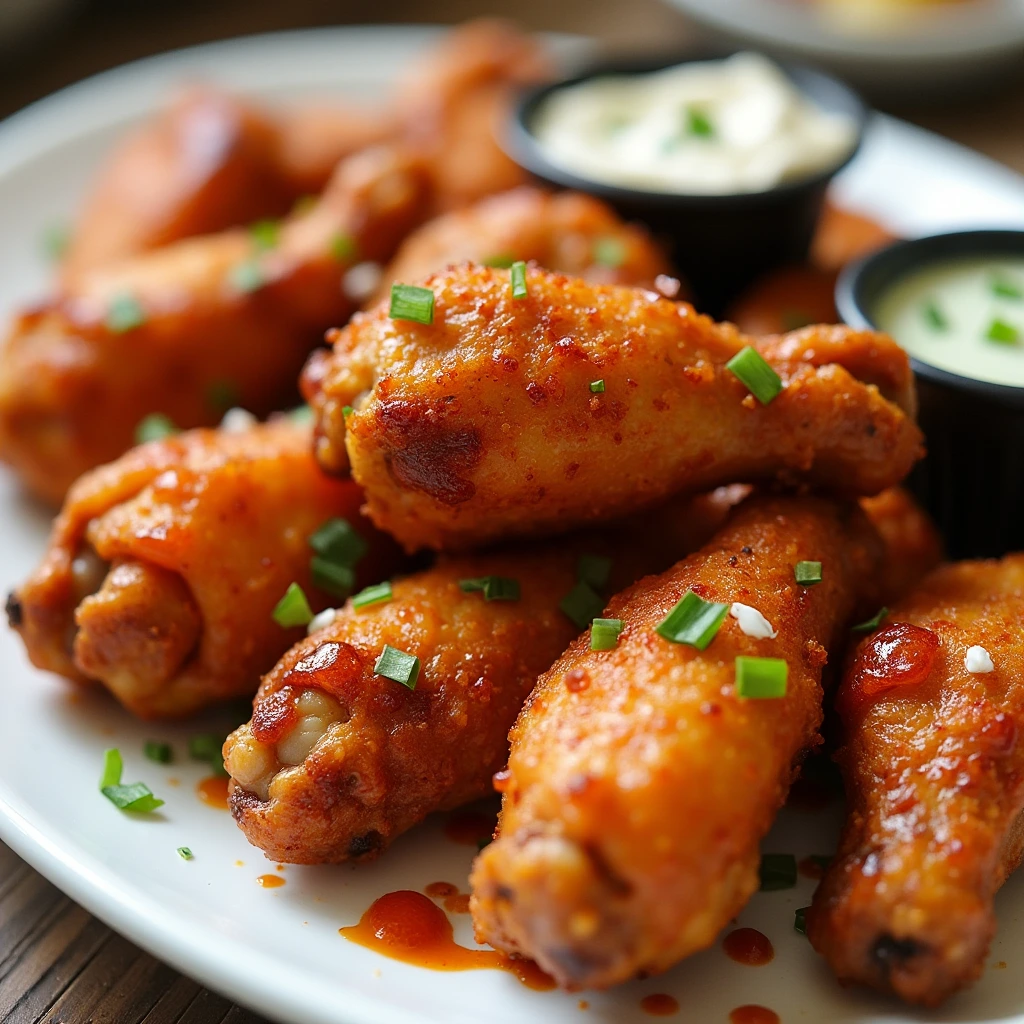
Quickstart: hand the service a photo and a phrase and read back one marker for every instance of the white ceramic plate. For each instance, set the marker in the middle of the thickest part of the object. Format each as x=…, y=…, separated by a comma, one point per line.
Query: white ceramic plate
x=278, y=950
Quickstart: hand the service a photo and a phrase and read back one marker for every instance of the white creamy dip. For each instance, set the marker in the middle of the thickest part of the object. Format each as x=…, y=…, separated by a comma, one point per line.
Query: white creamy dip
x=707, y=127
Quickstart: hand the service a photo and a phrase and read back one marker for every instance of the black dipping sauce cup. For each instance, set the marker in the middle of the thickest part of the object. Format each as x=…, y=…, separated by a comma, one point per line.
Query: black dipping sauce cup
x=972, y=480
x=720, y=243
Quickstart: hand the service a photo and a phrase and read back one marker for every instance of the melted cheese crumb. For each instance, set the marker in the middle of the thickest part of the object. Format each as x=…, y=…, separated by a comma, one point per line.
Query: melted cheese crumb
x=321, y=620
x=978, y=661
x=752, y=622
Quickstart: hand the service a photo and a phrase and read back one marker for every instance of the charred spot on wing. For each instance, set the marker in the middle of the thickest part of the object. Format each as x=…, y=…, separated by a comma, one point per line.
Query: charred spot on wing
x=15, y=611
x=241, y=801
x=888, y=952
x=366, y=845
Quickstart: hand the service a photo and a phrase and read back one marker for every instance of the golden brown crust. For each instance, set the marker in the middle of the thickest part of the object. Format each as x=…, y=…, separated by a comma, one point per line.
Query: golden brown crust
x=483, y=425
x=639, y=783
x=164, y=567
x=934, y=776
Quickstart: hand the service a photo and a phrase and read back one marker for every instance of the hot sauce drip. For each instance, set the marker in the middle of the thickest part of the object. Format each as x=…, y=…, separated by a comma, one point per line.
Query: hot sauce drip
x=213, y=791
x=658, y=1004
x=455, y=902
x=748, y=946
x=270, y=881
x=753, y=1014
x=407, y=926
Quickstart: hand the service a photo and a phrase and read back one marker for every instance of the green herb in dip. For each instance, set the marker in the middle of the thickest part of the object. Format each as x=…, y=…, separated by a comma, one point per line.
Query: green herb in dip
x=965, y=316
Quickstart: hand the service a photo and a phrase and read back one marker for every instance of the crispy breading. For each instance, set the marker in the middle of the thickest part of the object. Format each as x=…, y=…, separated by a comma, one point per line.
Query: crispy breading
x=163, y=567
x=639, y=783
x=484, y=425
x=934, y=775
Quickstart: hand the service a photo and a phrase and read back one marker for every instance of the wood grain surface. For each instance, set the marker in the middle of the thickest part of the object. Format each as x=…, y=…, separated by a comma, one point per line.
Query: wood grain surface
x=58, y=964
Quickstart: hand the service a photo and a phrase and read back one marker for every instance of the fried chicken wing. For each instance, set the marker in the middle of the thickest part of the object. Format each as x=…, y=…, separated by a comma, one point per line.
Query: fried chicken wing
x=164, y=567
x=912, y=541
x=843, y=235
x=171, y=330
x=639, y=782
x=490, y=422
x=931, y=707
x=786, y=300
x=338, y=761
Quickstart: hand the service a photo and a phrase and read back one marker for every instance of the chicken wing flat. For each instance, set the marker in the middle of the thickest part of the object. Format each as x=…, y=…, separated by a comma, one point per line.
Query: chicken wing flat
x=640, y=782
x=164, y=567
x=338, y=761
x=582, y=402
x=931, y=708
x=172, y=330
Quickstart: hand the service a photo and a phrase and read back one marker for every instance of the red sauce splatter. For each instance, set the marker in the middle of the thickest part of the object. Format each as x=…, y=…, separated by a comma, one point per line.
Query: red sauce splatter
x=455, y=902
x=657, y=1004
x=407, y=926
x=753, y=1014
x=469, y=827
x=213, y=791
x=899, y=655
x=439, y=890
x=584, y=1005
x=748, y=946
x=270, y=881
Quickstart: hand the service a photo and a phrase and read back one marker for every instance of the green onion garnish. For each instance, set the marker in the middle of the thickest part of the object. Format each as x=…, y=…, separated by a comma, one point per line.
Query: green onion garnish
x=55, y=241
x=337, y=579
x=346, y=411
x=604, y=634
x=610, y=252
x=582, y=605
x=597, y=387
x=1001, y=331
x=159, y=752
x=222, y=395
x=343, y=248
x=293, y=609
x=594, y=570
x=265, y=233
x=777, y=871
x=247, y=276
x=517, y=277
x=761, y=678
x=749, y=366
x=698, y=123
x=693, y=621
x=339, y=541
x=205, y=746
x=184, y=853
x=807, y=573
x=870, y=625
x=136, y=797
x=154, y=427
x=1006, y=289
x=409, y=302
x=494, y=588
x=377, y=594
x=398, y=666
x=800, y=920
x=124, y=313
x=500, y=261
x=934, y=316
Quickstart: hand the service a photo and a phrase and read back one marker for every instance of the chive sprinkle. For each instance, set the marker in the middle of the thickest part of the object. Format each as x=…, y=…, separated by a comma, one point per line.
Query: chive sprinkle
x=597, y=387
x=582, y=605
x=343, y=248
x=124, y=313
x=339, y=541
x=185, y=853
x=698, y=124
x=247, y=277
x=154, y=427
x=1001, y=331
x=1004, y=288
x=398, y=666
x=604, y=634
x=761, y=678
x=610, y=252
x=205, y=746
x=750, y=368
x=346, y=411
x=379, y=593
x=517, y=278
x=265, y=233
x=594, y=570
x=777, y=871
x=494, y=588
x=293, y=608
x=113, y=766
x=807, y=573
x=161, y=753
x=800, y=920
x=136, y=797
x=500, y=261
x=870, y=625
x=693, y=621
x=934, y=316
x=336, y=578
x=409, y=302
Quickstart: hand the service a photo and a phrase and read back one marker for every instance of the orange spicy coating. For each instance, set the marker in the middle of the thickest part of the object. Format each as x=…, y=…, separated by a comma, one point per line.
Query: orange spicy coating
x=639, y=783
x=482, y=424
x=934, y=775
x=73, y=388
x=164, y=567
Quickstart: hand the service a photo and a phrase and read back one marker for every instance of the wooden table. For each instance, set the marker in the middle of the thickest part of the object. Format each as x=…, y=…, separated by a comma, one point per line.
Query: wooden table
x=58, y=964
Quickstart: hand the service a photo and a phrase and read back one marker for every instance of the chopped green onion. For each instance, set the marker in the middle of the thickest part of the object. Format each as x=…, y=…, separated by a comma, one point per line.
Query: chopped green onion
x=154, y=427
x=1006, y=289
x=749, y=366
x=346, y=411
x=597, y=387
x=265, y=233
x=870, y=625
x=604, y=634
x=55, y=241
x=293, y=609
x=807, y=573
x=159, y=752
x=339, y=541
x=698, y=123
x=184, y=853
x=610, y=252
x=800, y=920
x=136, y=797
x=343, y=248
x=594, y=570
x=517, y=277
x=377, y=594
x=693, y=621
x=222, y=395
x=1001, y=331
x=500, y=261
x=761, y=678
x=777, y=871
x=398, y=666
x=934, y=316
x=205, y=746
x=124, y=313
x=247, y=276
x=337, y=579
x=582, y=605
x=494, y=588
x=409, y=302
x=113, y=766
